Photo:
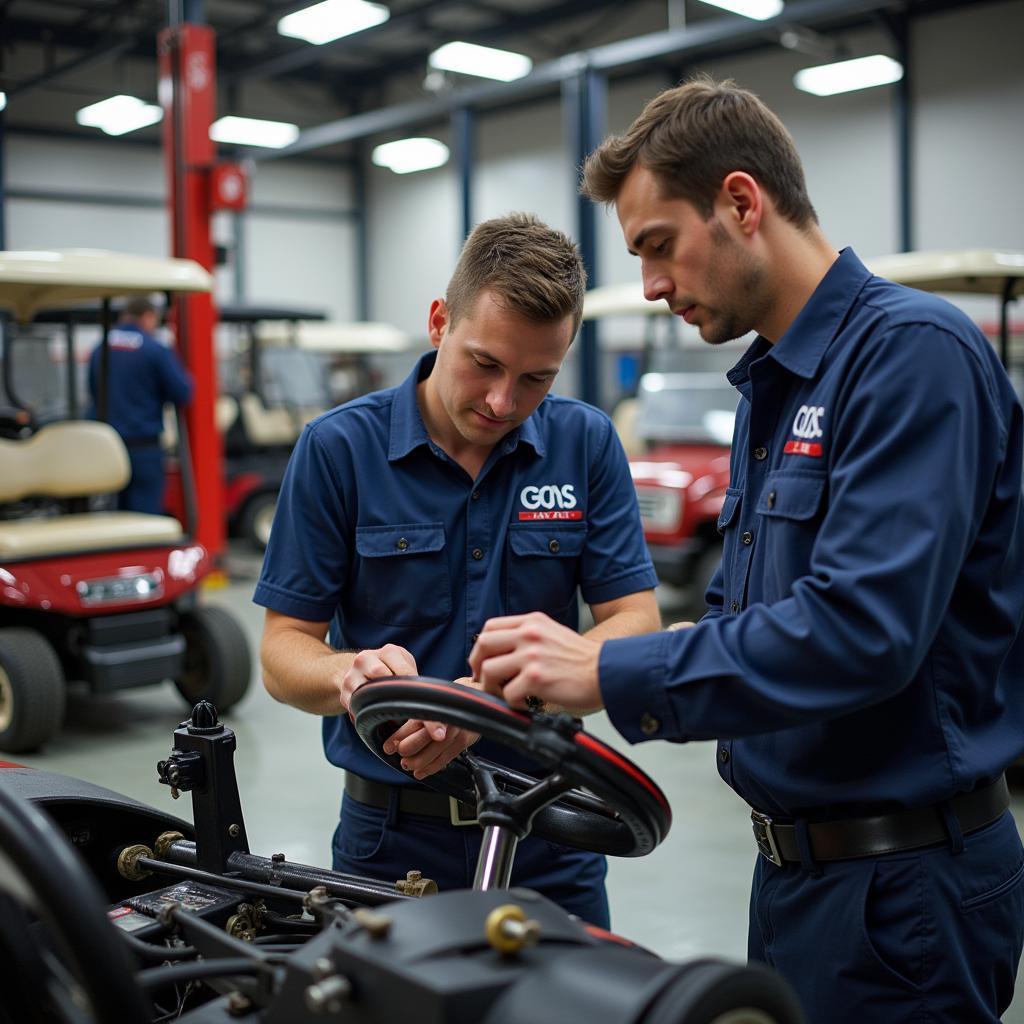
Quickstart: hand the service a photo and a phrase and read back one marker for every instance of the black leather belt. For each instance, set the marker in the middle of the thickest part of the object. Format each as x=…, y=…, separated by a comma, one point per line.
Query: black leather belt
x=910, y=829
x=410, y=800
x=142, y=442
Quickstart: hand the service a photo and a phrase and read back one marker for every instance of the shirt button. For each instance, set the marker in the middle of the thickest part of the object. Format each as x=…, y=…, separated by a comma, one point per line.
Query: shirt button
x=771, y=500
x=760, y=454
x=723, y=755
x=476, y=496
x=477, y=554
x=747, y=538
x=734, y=606
x=649, y=725
x=402, y=544
x=553, y=546
x=476, y=636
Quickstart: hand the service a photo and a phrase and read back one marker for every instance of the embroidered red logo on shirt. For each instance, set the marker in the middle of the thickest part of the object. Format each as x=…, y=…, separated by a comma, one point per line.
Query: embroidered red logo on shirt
x=554, y=514
x=812, y=448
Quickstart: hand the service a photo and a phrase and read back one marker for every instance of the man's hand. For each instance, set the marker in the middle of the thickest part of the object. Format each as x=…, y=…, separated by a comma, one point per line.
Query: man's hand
x=520, y=655
x=427, y=747
x=389, y=660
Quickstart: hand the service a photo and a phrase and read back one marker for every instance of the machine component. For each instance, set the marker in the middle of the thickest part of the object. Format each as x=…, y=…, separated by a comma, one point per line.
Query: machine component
x=508, y=929
x=622, y=811
x=128, y=862
x=261, y=940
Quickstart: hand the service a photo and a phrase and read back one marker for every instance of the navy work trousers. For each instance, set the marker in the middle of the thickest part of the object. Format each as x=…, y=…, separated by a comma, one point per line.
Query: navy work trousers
x=385, y=844
x=907, y=938
x=145, y=490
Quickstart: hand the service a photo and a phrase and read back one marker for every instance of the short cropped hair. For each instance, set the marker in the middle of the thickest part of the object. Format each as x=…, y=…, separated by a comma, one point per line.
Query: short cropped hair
x=136, y=307
x=694, y=135
x=535, y=271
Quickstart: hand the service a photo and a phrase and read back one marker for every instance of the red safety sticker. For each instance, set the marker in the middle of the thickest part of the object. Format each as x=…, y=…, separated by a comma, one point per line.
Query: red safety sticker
x=812, y=448
x=555, y=514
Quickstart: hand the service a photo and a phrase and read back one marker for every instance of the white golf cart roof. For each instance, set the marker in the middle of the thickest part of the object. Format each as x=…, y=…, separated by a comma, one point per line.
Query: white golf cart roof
x=977, y=271
x=335, y=336
x=32, y=280
x=620, y=300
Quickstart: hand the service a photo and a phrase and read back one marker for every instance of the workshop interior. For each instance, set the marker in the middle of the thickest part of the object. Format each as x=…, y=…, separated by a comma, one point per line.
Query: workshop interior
x=285, y=189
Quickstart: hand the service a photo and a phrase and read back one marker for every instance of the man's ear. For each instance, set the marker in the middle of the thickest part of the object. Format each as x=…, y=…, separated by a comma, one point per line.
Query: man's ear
x=743, y=201
x=437, y=322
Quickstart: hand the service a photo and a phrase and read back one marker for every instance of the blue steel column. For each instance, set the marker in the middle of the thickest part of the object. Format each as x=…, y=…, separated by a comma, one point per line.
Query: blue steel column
x=903, y=108
x=358, y=166
x=3, y=181
x=585, y=102
x=464, y=141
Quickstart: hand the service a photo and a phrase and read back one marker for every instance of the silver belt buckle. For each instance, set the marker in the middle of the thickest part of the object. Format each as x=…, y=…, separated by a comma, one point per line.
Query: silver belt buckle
x=455, y=813
x=764, y=836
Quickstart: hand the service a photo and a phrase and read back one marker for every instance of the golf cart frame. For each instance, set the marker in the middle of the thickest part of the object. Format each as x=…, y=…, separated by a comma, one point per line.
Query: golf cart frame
x=87, y=593
x=265, y=426
x=151, y=917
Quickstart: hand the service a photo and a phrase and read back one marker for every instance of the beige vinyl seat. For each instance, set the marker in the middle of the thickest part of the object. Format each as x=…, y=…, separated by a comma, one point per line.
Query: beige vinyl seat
x=73, y=459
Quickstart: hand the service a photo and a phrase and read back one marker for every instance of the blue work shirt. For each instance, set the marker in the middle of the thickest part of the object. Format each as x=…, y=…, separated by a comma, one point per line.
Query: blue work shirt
x=143, y=377
x=382, y=533
x=861, y=649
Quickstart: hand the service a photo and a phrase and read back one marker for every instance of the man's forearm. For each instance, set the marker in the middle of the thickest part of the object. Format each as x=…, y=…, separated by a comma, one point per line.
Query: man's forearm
x=304, y=672
x=627, y=622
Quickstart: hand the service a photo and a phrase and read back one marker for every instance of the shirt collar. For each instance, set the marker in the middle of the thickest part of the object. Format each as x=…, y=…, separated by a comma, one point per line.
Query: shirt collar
x=802, y=348
x=408, y=431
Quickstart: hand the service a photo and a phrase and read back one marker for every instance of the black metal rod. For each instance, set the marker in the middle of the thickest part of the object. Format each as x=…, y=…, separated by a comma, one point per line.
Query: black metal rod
x=164, y=867
x=158, y=977
x=347, y=888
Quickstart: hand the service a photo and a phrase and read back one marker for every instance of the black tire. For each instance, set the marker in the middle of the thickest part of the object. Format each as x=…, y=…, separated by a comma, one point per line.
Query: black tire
x=32, y=690
x=718, y=992
x=218, y=665
x=703, y=569
x=257, y=517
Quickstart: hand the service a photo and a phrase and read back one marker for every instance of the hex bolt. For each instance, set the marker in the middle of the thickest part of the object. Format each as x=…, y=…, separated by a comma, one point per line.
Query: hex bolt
x=328, y=996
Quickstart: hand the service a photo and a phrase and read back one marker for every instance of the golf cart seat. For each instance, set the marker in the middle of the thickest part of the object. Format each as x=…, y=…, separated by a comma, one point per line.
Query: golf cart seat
x=70, y=460
x=267, y=427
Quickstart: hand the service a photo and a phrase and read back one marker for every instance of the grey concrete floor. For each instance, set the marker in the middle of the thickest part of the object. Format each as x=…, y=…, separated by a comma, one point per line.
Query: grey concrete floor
x=688, y=898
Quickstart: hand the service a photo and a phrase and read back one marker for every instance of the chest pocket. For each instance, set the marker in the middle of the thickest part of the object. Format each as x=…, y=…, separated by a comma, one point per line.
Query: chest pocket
x=542, y=568
x=791, y=507
x=401, y=575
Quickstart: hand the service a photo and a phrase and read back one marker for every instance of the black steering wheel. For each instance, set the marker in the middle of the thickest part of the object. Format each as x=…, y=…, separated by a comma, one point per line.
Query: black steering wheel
x=620, y=811
x=42, y=878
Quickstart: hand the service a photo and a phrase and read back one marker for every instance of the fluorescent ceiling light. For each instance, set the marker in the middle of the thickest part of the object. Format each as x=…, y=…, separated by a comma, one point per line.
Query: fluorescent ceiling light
x=848, y=75
x=759, y=10
x=251, y=131
x=485, y=61
x=119, y=114
x=407, y=155
x=332, y=19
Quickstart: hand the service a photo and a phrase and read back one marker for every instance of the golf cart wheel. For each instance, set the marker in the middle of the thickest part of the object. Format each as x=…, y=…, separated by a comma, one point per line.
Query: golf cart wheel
x=217, y=660
x=32, y=691
x=258, y=518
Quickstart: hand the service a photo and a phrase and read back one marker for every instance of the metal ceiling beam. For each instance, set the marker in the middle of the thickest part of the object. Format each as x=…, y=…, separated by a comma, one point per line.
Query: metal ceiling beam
x=310, y=54
x=655, y=46
x=87, y=60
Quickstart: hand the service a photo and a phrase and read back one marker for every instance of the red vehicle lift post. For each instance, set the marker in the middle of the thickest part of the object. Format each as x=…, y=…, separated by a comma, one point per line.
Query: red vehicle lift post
x=197, y=186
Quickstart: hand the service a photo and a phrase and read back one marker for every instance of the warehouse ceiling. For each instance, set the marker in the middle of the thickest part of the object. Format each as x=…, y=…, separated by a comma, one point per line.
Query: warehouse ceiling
x=59, y=55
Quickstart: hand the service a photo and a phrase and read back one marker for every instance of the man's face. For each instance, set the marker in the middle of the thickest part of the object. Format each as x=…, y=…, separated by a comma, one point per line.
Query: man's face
x=704, y=274
x=493, y=368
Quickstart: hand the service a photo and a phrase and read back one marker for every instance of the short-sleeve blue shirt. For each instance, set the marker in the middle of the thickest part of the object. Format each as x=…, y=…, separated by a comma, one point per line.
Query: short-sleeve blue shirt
x=863, y=645
x=144, y=375
x=380, y=532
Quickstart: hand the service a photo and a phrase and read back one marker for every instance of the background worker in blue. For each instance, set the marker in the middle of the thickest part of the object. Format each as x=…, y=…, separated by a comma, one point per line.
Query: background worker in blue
x=410, y=516
x=860, y=661
x=143, y=376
